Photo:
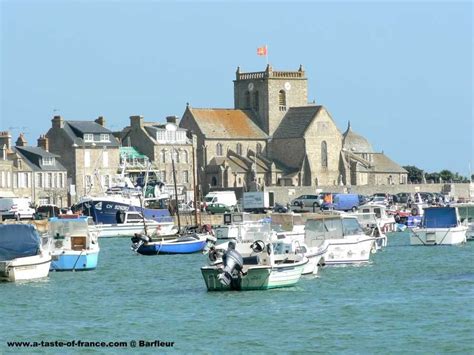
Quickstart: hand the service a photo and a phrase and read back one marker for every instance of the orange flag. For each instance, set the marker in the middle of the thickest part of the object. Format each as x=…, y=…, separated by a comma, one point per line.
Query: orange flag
x=262, y=50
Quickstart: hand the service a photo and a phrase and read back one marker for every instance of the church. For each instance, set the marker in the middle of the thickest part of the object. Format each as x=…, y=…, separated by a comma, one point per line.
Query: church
x=273, y=136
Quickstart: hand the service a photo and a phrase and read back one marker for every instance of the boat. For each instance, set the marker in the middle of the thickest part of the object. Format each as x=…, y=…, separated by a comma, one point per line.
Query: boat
x=439, y=226
x=466, y=213
x=74, y=243
x=385, y=221
x=255, y=263
x=373, y=224
x=343, y=237
x=22, y=255
x=130, y=223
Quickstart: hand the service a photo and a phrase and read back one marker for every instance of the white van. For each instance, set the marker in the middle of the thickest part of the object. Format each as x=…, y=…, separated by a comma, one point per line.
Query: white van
x=226, y=197
x=16, y=207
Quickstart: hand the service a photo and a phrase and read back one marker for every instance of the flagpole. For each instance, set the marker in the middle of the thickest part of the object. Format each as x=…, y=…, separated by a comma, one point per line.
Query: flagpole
x=266, y=52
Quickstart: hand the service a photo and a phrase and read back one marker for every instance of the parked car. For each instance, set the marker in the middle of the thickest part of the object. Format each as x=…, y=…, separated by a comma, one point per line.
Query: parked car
x=342, y=202
x=279, y=208
x=47, y=211
x=307, y=201
x=16, y=207
x=402, y=197
x=378, y=200
x=218, y=208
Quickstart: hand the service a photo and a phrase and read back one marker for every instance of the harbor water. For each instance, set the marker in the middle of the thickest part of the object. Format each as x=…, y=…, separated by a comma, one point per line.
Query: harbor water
x=408, y=299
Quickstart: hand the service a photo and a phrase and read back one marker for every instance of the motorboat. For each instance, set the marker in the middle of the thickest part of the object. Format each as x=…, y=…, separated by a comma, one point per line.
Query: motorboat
x=22, y=253
x=343, y=237
x=132, y=222
x=385, y=221
x=373, y=225
x=439, y=226
x=255, y=262
x=466, y=213
x=74, y=243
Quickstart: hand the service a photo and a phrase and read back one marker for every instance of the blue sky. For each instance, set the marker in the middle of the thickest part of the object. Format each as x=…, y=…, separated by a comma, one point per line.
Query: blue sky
x=401, y=72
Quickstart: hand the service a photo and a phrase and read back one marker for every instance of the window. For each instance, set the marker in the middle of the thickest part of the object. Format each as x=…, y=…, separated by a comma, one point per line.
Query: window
x=161, y=136
x=2, y=180
x=88, y=181
x=256, y=101
x=50, y=179
x=163, y=155
x=48, y=161
x=185, y=177
x=324, y=154
x=105, y=159
x=185, y=156
x=259, y=148
x=176, y=155
x=219, y=149
x=87, y=159
x=214, y=181
x=39, y=180
x=239, y=149
x=61, y=179
x=104, y=137
x=88, y=137
x=282, y=100
x=247, y=99
x=163, y=175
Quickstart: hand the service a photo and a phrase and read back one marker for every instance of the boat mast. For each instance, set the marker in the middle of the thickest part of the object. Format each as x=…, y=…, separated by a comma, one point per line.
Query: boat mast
x=175, y=192
x=195, y=189
x=142, y=199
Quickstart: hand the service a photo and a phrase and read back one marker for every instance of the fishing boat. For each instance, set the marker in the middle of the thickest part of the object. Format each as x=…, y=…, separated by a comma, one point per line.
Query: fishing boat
x=74, y=243
x=439, y=226
x=255, y=263
x=22, y=255
x=342, y=236
x=130, y=223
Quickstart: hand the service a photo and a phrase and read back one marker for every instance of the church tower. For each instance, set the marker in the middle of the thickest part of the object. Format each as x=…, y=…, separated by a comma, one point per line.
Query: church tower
x=269, y=94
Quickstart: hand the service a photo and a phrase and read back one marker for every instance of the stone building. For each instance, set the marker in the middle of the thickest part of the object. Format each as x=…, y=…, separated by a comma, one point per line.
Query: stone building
x=296, y=143
x=6, y=166
x=89, y=152
x=164, y=145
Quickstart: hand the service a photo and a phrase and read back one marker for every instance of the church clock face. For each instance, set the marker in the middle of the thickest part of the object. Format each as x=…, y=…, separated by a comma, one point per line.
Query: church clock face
x=287, y=86
x=250, y=86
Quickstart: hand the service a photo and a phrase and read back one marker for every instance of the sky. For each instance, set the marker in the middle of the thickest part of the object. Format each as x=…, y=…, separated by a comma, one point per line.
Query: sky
x=401, y=72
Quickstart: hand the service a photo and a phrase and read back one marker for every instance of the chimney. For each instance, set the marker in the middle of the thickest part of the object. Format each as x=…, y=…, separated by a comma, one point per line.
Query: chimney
x=100, y=120
x=58, y=122
x=21, y=141
x=172, y=119
x=43, y=142
x=5, y=139
x=136, y=121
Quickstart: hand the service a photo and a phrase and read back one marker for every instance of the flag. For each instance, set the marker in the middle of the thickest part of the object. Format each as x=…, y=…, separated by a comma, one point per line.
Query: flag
x=262, y=50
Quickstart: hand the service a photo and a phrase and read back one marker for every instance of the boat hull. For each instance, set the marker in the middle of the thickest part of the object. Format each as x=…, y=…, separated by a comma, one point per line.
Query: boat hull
x=75, y=260
x=438, y=236
x=129, y=230
x=347, y=251
x=256, y=278
x=172, y=247
x=27, y=268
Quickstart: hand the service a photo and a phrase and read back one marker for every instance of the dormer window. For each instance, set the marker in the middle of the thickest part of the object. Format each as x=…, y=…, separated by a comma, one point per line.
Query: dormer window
x=88, y=137
x=104, y=137
x=48, y=161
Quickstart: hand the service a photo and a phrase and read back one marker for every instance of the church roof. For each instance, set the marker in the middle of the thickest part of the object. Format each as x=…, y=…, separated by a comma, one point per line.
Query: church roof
x=383, y=164
x=296, y=121
x=226, y=123
x=354, y=142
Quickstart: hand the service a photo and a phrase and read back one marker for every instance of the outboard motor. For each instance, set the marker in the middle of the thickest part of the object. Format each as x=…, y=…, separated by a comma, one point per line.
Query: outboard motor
x=138, y=240
x=233, y=263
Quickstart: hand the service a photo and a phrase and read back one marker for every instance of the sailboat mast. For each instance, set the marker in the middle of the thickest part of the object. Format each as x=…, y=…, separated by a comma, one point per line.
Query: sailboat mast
x=195, y=189
x=175, y=193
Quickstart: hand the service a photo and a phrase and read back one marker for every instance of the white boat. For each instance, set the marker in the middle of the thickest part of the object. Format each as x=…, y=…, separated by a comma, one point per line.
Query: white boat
x=372, y=226
x=385, y=221
x=466, y=213
x=439, y=226
x=256, y=262
x=131, y=223
x=342, y=236
x=22, y=256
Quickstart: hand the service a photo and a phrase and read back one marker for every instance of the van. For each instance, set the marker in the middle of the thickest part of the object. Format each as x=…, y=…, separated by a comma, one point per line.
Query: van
x=225, y=197
x=342, y=202
x=16, y=207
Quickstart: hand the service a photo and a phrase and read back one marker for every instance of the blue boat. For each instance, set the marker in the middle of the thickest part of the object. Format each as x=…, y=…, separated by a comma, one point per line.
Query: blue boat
x=74, y=244
x=179, y=245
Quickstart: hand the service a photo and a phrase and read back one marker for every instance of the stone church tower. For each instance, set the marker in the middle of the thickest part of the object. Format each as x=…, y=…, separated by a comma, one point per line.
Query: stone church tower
x=269, y=94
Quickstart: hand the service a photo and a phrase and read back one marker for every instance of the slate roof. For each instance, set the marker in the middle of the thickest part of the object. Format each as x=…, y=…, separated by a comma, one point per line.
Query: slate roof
x=296, y=122
x=33, y=157
x=227, y=124
x=76, y=130
x=383, y=164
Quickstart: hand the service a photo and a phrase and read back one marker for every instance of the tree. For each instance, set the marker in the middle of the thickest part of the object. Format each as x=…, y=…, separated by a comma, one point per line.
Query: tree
x=446, y=175
x=415, y=175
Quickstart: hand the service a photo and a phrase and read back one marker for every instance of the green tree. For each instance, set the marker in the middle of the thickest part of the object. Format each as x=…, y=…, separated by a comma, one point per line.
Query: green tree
x=415, y=175
x=446, y=175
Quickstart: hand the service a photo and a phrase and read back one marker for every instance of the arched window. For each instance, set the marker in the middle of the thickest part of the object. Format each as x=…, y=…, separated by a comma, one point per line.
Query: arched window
x=239, y=149
x=256, y=99
x=185, y=157
x=163, y=155
x=175, y=155
x=247, y=99
x=259, y=148
x=324, y=154
x=219, y=149
x=214, y=181
x=282, y=100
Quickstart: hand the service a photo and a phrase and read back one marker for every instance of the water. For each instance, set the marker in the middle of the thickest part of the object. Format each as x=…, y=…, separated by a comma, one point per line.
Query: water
x=409, y=299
